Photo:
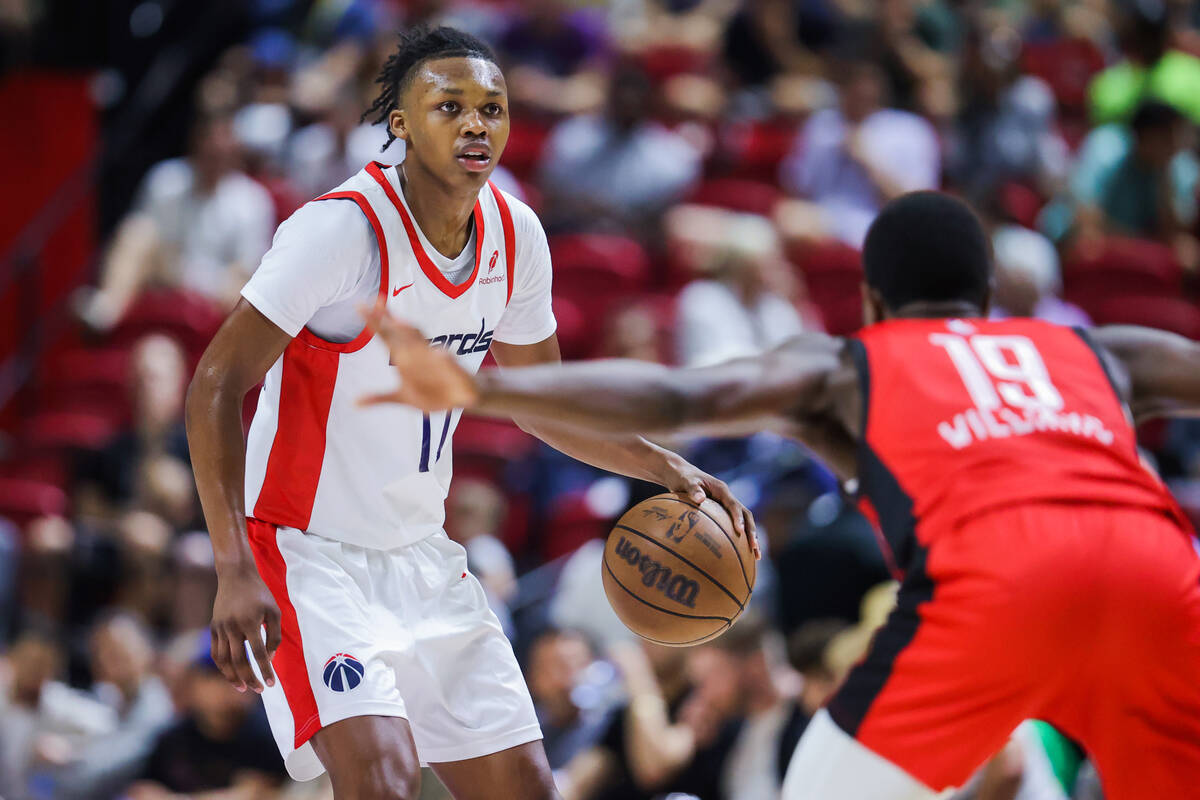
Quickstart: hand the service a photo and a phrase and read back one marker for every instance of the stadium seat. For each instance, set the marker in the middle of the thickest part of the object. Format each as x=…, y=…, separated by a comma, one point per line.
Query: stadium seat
x=572, y=522
x=666, y=61
x=833, y=276
x=737, y=194
x=44, y=467
x=526, y=138
x=485, y=446
x=23, y=500
x=754, y=150
x=1122, y=265
x=68, y=430
x=1067, y=65
x=577, y=336
x=1165, y=313
x=620, y=262
x=187, y=316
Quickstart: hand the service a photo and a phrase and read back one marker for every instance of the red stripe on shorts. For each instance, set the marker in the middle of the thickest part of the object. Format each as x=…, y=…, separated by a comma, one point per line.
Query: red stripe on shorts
x=290, y=668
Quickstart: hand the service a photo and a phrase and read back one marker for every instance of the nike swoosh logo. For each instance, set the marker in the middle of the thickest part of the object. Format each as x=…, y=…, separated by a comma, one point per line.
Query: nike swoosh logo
x=398, y=291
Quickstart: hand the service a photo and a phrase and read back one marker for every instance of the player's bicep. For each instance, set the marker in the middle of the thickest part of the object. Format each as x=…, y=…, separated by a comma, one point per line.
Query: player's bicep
x=241, y=352
x=1163, y=368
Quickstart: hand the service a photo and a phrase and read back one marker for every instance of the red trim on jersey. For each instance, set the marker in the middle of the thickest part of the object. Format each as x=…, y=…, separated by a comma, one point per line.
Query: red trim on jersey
x=867, y=509
x=364, y=336
x=510, y=238
x=435, y=276
x=290, y=668
x=306, y=385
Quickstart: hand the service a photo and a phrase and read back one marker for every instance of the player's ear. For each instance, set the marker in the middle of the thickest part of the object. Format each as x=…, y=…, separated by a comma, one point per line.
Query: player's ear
x=873, y=307
x=398, y=125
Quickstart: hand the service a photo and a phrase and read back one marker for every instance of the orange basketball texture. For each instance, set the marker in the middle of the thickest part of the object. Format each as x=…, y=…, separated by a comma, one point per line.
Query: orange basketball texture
x=677, y=573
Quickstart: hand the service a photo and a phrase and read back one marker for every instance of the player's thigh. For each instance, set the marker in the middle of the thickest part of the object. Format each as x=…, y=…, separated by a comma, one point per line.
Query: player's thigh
x=519, y=773
x=370, y=758
x=828, y=763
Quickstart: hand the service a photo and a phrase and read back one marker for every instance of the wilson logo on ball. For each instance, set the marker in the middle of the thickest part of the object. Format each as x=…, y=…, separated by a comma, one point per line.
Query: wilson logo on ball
x=343, y=672
x=679, y=588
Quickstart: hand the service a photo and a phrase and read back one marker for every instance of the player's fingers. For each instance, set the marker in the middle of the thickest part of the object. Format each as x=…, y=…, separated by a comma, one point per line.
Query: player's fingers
x=274, y=631
x=238, y=659
x=752, y=532
x=255, y=637
x=696, y=491
x=220, y=655
x=720, y=492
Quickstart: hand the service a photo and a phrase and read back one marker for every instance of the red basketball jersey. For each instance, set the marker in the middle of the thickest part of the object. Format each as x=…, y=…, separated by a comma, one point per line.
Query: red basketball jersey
x=965, y=416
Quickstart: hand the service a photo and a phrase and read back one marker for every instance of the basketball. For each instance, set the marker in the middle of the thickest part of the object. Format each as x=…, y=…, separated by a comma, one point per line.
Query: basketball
x=675, y=572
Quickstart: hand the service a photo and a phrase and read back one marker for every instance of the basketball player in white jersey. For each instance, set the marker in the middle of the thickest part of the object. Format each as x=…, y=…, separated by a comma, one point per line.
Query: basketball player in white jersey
x=373, y=647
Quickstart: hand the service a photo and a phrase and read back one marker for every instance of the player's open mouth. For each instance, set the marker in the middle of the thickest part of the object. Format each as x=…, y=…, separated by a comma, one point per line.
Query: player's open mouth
x=474, y=159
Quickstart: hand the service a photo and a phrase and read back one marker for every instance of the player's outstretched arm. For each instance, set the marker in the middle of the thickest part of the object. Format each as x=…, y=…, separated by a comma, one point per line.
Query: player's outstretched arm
x=237, y=358
x=1163, y=369
x=778, y=390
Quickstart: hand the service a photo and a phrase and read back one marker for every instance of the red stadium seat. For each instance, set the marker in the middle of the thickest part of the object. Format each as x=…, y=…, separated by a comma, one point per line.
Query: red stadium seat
x=833, y=276
x=754, y=150
x=44, y=467
x=187, y=316
x=1122, y=265
x=526, y=137
x=619, y=262
x=23, y=500
x=576, y=334
x=484, y=447
x=1165, y=313
x=66, y=430
x=1068, y=65
x=571, y=523
x=737, y=194
x=666, y=61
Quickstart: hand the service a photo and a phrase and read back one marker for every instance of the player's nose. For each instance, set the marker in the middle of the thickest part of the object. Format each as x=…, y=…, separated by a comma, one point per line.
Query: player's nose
x=472, y=124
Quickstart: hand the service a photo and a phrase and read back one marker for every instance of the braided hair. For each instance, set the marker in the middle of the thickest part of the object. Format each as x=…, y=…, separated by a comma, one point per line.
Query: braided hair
x=416, y=46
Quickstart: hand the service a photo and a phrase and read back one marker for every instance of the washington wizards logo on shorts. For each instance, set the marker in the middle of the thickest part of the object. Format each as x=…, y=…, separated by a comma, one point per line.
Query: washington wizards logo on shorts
x=343, y=672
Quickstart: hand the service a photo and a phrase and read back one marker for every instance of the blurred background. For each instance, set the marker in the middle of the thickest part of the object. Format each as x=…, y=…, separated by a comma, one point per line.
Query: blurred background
x=706, y=171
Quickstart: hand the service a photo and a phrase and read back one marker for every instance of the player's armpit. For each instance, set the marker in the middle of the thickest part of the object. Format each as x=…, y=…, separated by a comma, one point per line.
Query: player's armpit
x=1162, y=369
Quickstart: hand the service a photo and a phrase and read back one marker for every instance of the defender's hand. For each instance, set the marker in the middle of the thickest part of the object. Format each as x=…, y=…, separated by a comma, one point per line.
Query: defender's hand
x=430, y=378
x=243, y=607
x=696, y=484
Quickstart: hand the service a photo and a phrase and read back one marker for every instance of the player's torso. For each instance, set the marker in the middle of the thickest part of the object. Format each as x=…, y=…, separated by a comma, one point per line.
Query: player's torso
x=375, y=476
x=963, y=416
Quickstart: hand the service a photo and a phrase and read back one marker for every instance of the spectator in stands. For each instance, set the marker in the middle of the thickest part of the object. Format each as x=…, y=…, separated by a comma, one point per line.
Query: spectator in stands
x=555, y=669
x=741, y=308
x=853, y=159
x=109, y=479
x=1151, y=69
x=554, y=54
x=1137, y=181
x=806, y=649
x=767, y=38
x=475, y=510
x=752, y=657
x=1028, y=281
x=198, y=223
x=665, y=739
x=42, y=721
x=221, y=743
x=1006, y=129
x=619, y=168
x=121, y=659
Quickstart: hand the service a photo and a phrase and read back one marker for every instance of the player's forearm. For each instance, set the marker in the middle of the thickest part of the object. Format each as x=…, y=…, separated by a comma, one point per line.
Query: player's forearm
x=613, y=397
x=217, y=448
x=631, y=456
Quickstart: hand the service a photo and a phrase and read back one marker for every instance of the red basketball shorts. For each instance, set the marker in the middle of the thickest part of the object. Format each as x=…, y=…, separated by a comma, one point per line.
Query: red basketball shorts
x=1085, y=616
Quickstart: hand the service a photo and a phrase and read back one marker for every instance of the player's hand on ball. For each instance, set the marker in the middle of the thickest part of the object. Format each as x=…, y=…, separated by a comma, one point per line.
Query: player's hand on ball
x=244, y=606
x=430, y=378
x=696, y=484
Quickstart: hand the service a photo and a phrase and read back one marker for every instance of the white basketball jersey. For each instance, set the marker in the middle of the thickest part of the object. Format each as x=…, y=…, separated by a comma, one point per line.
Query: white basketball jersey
x=376, y=476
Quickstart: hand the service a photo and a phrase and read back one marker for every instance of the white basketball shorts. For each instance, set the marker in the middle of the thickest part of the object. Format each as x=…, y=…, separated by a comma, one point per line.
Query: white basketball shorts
x=400, y=633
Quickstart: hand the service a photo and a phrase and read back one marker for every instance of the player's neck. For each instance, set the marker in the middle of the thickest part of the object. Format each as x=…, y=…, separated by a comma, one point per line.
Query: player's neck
x=942, y=309
x=441, y=212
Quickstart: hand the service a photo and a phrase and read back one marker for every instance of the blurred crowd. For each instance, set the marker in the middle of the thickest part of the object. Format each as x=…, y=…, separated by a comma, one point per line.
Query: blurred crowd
x=706, y=171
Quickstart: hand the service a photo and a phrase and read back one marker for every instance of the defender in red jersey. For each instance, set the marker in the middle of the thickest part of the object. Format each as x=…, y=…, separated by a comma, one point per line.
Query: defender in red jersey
x=1046, y=572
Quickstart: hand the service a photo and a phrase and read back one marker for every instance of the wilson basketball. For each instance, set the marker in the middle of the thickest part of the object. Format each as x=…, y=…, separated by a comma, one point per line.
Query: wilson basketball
x=677, y=573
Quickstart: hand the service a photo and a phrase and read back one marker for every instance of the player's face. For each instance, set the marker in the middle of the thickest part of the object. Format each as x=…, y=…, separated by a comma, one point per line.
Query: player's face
x=454, y=119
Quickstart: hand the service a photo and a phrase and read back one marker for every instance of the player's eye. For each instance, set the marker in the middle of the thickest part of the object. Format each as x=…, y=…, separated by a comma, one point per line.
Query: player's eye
x=449, y=106
x=493, y=109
